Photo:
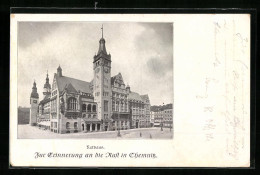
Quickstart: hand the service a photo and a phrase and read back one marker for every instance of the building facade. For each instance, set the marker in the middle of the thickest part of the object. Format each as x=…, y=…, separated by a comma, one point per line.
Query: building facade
x=168, y=118
x=152, y=118
x=103, y=104
x=162, y=116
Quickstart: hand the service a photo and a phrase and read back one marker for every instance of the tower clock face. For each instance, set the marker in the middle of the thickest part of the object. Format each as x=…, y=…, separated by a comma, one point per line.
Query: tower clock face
x=97, y=70
x=106, y=70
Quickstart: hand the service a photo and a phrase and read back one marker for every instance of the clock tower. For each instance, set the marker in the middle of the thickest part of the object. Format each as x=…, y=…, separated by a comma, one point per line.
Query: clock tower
x=34, y=99
x=102, y=84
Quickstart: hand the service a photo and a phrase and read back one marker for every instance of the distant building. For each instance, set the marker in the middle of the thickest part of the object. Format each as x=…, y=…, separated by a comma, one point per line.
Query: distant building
x=167, y=118
x=152, y=113
x=147, y=107
x=162, y=115
x=103, y=104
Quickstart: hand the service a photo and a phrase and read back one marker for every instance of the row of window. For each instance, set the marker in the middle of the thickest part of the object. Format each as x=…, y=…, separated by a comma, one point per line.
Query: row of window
x=119, y=95
x=86, y=94
x=54, y=124
x=105, y=116
x=137, y=105
x=123, y=123
x=69, y=127
x=89, y=108
x=72, y=103
x=54, y=105
x=89, y=116
x=123, y=107
x=168, y=111
x=105, y=94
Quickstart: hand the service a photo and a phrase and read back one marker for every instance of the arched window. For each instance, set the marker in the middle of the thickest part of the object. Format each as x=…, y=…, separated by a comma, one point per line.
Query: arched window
x=94, y=116
x=89, y=107
x=72, y=103
x=84, y=115
x=84, y=108
x=89, y=116
x=94, y=108
x=68, y=125
x=75, y=125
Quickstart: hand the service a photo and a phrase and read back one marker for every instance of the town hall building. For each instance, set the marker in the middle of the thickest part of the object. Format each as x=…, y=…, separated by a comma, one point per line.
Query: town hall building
x=106, y=103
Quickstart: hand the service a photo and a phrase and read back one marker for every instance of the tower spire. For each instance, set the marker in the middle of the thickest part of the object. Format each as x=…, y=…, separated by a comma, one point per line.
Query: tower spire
x=34, y=93
x=102, y=30
x=47, y=86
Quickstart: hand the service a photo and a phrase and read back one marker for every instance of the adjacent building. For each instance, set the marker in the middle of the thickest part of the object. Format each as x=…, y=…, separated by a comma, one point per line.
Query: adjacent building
x=105, y=103
x=162, y=116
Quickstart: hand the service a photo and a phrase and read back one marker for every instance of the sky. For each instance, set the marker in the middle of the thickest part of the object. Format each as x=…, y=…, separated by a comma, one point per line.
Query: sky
x=141, y=52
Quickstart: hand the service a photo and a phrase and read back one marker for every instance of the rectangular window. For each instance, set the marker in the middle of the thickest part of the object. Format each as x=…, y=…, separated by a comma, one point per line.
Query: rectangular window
x=105, y=105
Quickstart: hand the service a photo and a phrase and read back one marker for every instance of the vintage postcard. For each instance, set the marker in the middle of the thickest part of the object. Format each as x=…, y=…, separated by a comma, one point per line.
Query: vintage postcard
x=130, y=90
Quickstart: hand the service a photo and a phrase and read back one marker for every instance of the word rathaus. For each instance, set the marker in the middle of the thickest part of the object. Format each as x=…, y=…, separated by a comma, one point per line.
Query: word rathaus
x=104, y=104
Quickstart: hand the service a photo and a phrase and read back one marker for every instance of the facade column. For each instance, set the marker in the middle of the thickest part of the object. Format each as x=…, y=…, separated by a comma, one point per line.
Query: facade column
x=115, y=125
x=96, y=127
x=90, y=128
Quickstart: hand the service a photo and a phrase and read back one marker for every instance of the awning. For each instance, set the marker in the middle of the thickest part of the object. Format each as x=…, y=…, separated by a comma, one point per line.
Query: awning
x=44, y=123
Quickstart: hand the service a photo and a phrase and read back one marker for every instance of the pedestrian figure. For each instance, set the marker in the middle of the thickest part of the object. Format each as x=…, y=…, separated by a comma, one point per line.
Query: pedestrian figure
x=151, y=136
x=140, y=134
x=118, y=133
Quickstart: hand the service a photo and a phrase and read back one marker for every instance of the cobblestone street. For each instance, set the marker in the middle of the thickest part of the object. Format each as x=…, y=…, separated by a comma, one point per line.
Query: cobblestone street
x=33, y=132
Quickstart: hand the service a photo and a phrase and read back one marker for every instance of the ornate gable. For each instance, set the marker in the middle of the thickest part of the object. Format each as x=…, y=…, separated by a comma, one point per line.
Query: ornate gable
x=119, y=79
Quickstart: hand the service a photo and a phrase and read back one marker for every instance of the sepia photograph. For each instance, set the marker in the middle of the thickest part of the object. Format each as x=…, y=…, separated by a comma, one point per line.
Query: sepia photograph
x=95, y=80
x=130, y=90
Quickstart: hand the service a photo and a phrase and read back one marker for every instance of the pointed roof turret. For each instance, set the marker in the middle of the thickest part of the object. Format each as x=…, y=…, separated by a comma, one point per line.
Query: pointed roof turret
x=34, y=93
x=102, y=46
x=47, y=84
x=102, y=52
x=59, y=71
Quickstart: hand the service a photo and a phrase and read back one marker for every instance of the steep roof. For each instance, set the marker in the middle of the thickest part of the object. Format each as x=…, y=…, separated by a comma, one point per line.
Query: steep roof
x=134, y=96
x=117, y=77
x=70, y=88
x=46, y=99
x=145, y=97
x=34, y=93
x=76, y=84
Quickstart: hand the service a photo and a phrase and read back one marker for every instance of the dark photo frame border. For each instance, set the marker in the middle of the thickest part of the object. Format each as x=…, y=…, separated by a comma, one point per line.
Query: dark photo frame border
x=130, y=10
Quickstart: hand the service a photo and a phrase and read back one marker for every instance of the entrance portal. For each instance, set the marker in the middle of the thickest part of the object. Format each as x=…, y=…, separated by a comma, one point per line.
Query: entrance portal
x=105, y=128
x=136, y=125
x=88, y=127
x=82, y=127
x=93, y=127
x=98, y=127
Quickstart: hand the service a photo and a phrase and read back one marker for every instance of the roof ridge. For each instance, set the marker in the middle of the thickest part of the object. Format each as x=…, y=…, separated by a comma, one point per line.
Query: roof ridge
x=75, y=79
